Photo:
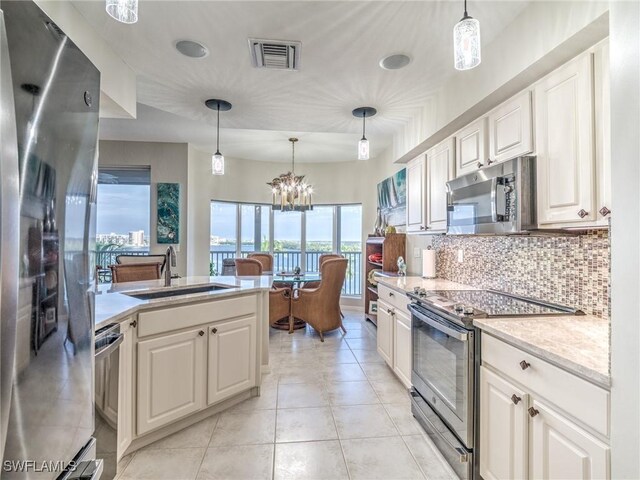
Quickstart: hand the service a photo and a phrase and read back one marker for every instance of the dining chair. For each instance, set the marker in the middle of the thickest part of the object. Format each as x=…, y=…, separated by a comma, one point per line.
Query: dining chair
x=135, y=272
x=266, y=259
x=128, y=259
x=248, y=267
x=320, y=307
x=321, y=259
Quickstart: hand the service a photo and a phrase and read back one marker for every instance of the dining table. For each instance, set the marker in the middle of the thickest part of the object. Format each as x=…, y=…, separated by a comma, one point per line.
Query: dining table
x=294, y=281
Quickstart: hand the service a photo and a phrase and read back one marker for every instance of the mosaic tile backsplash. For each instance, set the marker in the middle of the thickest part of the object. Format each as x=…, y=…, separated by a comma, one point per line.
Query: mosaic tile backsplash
x=569, y=270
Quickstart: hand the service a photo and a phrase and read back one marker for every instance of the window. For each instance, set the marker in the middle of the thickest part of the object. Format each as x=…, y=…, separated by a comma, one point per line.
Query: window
x=296, y=239
x=122, y=213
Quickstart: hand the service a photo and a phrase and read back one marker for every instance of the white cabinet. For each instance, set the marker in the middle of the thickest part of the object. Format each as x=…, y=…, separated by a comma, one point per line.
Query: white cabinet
x=440, y=169
x=402, y=348
x=171, y=378
x=385, y=332
x=510, y=129
x=537, y=421
x=503, y=428
x=232, y=358
x=561, y=450
x=603, y=133
x=471, y=147
x=416, y=198
x=125, y=388
x=565, y=144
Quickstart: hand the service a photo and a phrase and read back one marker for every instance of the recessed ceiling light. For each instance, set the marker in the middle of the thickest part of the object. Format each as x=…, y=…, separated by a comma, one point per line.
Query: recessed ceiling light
x=192, y=49
x=395, y=62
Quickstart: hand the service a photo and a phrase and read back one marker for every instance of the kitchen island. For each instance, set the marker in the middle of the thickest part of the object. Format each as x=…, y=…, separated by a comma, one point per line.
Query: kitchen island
x=189, y=350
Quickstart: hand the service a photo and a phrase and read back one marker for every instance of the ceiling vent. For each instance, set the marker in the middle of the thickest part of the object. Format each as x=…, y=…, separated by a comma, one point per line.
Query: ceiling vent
x=276, y=54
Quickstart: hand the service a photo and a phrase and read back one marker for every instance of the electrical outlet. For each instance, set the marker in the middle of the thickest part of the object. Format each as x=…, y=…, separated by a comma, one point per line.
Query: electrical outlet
x=460, y=255
x=416, y=252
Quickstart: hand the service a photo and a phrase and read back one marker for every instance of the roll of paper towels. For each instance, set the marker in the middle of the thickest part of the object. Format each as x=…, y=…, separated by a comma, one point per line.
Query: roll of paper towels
x=429, y=263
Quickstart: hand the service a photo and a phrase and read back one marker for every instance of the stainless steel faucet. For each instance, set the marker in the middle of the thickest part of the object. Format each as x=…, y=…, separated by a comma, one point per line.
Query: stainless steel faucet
x=170, y=261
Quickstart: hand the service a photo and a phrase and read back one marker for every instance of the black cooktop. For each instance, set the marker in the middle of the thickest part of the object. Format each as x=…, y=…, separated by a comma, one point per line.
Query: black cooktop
x=480, y=303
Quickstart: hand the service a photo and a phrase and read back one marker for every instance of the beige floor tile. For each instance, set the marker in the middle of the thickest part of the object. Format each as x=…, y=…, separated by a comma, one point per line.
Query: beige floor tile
x=197, y=435
x=391, y=392
x=351, y=393
x=300, y=395
x=240, y=462
x=293, y=373
x=343, y=372
x=363, y=421
x=404, y=420
x=335, y=356
x=266, y=401
x=161, y=464
x=380, y=458
x=378, y=372
x=368, y=356
x=244, y=428
x=310, y=461
x=368, y=343
x=305, y=424
x=430, y=460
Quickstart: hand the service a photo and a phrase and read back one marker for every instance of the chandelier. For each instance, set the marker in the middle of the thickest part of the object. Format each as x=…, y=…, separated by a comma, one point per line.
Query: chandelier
x=290, y=191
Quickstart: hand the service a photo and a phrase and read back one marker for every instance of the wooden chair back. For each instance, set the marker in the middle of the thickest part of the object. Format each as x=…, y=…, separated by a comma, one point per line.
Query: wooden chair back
x=135, y=272
x=248, y=267
x=266, y=259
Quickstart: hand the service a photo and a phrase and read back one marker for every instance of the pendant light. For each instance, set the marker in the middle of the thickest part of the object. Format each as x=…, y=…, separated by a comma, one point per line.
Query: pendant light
x=466, y=42
x=125, y=11
x=363, y=144
x=217, y=160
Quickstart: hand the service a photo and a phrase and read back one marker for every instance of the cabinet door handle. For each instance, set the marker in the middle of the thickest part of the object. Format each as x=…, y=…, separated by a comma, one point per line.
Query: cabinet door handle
x=515, y=399
x=489, y=161
x=391, y=294
x=133, y=324
x=532, y=412
x=480, y=164
x=201, y=332
x=583, y=213
x=524, y=364
x=214, y=331
x=390, y=312
x=604, y=211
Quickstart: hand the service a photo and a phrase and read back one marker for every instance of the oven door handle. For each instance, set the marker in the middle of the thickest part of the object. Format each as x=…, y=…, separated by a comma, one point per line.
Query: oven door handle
x=463, y=337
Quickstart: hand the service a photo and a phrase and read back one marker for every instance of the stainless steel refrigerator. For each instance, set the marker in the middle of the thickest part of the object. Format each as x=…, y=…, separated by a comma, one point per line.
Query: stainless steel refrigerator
x=49, y=96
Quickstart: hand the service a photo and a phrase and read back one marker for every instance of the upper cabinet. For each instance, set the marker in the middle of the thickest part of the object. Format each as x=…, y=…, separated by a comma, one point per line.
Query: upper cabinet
x=416, y=199
x=472, y=147
x=603, y=133
x=565, y=145
x=511, y=129
x=440, y=169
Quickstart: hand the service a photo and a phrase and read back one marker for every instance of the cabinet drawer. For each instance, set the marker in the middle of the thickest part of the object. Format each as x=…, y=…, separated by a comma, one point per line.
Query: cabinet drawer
x=394, y=298
x=177, y=318
x=579, y=398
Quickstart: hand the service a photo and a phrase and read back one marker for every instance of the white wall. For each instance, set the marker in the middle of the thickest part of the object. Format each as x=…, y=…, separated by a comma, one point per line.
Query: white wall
x=168, y=163
x=625, y=240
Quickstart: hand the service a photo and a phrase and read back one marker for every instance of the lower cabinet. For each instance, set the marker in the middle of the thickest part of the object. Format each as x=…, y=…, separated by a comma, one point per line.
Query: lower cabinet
x=402, y=348
x=523, y=436
x=385, y=332
x=232, y=358
x=125, y=389
x=171, y=377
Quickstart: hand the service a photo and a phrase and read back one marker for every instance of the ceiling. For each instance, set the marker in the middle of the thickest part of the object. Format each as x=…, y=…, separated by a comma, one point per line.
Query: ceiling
x=342, y=43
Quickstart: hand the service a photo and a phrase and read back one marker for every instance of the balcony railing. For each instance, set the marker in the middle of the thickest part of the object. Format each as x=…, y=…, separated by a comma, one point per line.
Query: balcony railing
x=287, y=261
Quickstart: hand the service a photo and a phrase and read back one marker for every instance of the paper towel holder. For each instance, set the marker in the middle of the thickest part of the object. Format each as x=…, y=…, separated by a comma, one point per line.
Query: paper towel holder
x=429, y=263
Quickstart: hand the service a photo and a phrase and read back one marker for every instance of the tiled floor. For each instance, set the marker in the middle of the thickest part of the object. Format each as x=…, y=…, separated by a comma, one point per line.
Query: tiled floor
x=328, y=410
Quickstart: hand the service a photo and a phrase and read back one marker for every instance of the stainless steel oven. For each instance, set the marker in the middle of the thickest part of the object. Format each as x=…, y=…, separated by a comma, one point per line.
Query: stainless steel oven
x=443, y=377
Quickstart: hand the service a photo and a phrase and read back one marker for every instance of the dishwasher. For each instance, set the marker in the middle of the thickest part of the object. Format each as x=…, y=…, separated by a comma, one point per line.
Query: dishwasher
x=107, y=374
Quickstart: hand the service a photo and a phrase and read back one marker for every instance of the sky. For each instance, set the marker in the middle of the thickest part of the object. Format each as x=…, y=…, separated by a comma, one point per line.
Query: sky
x=125, y=208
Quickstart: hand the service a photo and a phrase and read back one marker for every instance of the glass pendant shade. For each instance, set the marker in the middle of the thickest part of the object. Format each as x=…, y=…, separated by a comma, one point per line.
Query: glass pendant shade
x=217, y=164
x=363, y=149
x=125, y=11
x=466, y=43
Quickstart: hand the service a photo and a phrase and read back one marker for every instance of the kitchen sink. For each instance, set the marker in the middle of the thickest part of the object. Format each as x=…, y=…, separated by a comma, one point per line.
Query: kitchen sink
x=174, y=292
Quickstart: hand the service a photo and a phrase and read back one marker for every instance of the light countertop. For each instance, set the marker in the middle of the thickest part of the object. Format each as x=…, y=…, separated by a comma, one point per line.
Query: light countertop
x=112, y=305
x=579, y=344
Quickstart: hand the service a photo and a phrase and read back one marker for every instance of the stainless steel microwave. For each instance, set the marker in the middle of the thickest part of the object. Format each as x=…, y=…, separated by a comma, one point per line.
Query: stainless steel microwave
x=500, y=199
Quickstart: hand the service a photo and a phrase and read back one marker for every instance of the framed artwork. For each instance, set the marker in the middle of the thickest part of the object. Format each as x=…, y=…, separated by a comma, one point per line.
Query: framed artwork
x=392, y=198
x=373, y=307
x=168, y=206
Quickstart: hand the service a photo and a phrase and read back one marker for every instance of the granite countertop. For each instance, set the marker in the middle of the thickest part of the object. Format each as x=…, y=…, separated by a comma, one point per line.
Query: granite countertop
x=406, y=284
x=578, y=344
x=112, y=305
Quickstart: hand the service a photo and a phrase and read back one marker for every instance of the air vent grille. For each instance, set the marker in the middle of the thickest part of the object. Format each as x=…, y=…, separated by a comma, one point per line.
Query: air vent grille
x=275, y=54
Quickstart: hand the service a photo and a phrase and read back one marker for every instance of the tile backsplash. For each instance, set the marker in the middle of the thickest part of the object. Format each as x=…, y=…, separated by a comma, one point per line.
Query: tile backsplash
x=569, y=270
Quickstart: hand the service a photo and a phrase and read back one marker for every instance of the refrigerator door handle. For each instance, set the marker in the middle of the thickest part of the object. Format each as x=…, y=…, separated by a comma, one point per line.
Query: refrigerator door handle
x=9, y=232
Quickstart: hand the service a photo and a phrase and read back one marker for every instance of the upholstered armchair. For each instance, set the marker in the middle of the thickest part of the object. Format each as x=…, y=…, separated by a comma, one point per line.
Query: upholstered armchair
x=248, y=267
x=265, y=259
x=320, y=307
x=321, y=259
